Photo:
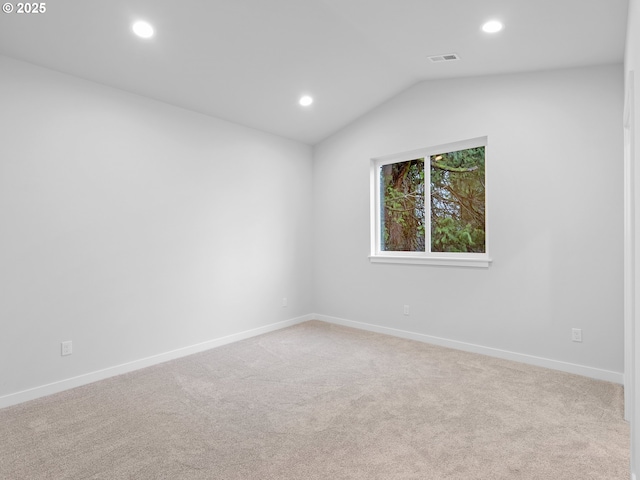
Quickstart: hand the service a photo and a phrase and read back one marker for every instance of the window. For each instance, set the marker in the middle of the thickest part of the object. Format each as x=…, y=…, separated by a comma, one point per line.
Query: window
x=429, y=206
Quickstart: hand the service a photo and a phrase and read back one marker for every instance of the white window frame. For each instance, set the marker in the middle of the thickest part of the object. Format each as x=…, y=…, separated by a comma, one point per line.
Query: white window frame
x=458, y=259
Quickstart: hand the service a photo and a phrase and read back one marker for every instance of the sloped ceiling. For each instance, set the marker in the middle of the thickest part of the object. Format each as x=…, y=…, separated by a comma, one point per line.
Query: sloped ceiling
x=248, y=61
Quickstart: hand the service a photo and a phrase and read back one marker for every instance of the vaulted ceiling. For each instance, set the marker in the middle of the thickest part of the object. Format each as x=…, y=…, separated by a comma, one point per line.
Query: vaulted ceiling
x=249, y=61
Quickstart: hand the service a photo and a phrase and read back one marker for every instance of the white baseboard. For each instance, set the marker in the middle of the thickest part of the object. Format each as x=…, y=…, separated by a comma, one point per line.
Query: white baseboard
x=591, y=372
x=66, y=384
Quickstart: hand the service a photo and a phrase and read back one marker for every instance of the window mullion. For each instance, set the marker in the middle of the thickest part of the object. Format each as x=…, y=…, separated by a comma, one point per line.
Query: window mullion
x=427, y=204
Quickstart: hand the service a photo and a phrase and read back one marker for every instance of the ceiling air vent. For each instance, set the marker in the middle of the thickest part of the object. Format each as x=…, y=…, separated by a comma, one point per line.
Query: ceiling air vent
x=449, y=57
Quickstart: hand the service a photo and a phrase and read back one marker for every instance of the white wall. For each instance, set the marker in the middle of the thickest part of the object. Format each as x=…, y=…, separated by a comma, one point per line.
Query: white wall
x=555, y=193
x=134, y=228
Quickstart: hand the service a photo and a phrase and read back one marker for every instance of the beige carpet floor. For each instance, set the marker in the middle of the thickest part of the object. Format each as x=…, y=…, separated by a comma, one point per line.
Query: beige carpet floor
x=318, y=401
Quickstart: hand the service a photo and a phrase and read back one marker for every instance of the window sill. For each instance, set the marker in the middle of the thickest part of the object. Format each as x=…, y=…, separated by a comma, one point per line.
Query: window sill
x=443, y=261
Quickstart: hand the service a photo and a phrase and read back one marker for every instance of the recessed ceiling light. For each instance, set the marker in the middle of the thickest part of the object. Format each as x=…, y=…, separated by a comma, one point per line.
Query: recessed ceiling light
x=143, y=29
x=305, y=100
x=492, y=26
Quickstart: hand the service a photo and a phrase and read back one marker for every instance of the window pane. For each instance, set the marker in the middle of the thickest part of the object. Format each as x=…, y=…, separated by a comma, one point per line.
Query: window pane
x=458, y=201
x=402, y=192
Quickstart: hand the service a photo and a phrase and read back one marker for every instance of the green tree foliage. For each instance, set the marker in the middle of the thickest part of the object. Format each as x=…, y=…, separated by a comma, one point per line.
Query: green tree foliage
x=458, y=201
x=403, y=194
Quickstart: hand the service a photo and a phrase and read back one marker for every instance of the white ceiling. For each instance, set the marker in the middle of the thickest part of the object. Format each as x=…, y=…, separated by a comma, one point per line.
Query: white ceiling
x=248, y=61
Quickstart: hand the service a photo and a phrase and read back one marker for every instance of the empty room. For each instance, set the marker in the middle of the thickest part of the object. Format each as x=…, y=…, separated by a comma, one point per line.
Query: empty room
x=319, y=239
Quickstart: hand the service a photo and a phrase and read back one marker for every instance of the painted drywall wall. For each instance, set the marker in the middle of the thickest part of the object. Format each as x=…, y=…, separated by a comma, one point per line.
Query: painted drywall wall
x=134, y=228
x=555, y=221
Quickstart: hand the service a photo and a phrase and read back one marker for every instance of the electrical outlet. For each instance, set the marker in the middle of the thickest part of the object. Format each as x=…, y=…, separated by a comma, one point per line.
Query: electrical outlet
x=284, y=301
x=406, y=310
x=576, y=334
x=66, y=348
